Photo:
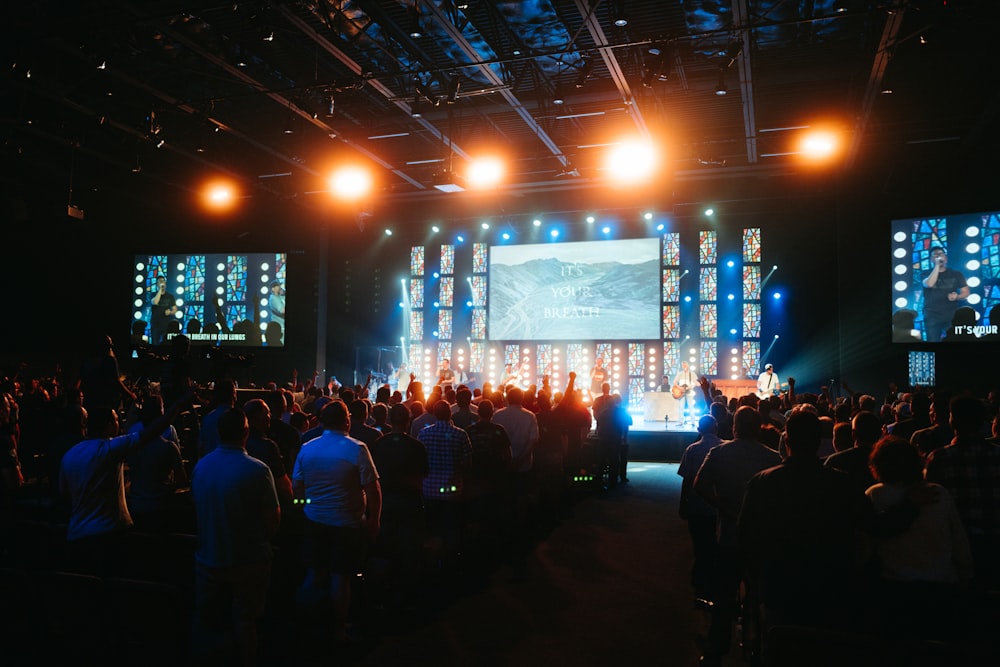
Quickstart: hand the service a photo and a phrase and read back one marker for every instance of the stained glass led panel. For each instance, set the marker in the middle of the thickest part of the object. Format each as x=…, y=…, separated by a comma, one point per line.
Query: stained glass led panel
x=671, y=285
x=478, y=290
x=575, y=359
x=603, y=351
x=927, y=234
x=447, y=292
x=444, y=352
x=708, y=247
x=751, y=282
x=708, y=324
x=751, y=320
x=751, y=245
x=671, y=321
x=636, y=359
x=196, y=311
x=512, y=355
x=708, y=283
x=635, y=392
x=672, y=249
x=671, y=359
x=708, y=355
x=447, y=260
x=416, y=352
x=236, y=279
x=444, y=324
x=416, y=293
x=234, y=313
x=417, y=260
x=751, y=358
x=991, y=297
x=543, y=359
x=478, y=323
x=417, y=324
x=477, y=358
x=480, y=251
x=194, y=281
x=990, y=255
x=155, y=267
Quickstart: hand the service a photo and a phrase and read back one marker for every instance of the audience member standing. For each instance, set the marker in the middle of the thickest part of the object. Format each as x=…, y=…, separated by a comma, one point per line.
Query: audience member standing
x=156, y=473
x=970, y=469
x=722, y=481
x=866, y=429
x=92, y=475
x=260, y=446
x=401, y=461
x=237, y=513
x=223, y=400
x=337, y=481
x=488, y=481
x=800, y=530
x=924, y=567
x=448, y=457
x=700, y=516
x=101, y=382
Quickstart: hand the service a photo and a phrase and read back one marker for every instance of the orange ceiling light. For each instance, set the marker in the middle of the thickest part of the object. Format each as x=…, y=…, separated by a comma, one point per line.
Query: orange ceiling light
x=220, y=195
x=350, y=183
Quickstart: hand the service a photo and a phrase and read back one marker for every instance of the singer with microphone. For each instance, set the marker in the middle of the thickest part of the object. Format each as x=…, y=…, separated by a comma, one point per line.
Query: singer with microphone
x=943, y=289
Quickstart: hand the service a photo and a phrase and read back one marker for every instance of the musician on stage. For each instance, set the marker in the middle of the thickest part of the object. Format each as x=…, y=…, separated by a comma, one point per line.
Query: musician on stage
x=683, y=388
x=598, y=376
x=446, y=376
x=768, y=383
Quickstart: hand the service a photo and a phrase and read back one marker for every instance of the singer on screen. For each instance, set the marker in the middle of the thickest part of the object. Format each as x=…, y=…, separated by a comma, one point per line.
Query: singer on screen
x=944, y=288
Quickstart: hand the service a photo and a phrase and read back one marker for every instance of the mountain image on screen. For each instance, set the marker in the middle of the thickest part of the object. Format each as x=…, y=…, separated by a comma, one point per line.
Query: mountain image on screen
x=555, y=299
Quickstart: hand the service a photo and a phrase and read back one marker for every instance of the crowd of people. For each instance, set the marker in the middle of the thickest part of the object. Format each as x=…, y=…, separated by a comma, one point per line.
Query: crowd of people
x=882, y=514
x=865, y=515
x=396, y=485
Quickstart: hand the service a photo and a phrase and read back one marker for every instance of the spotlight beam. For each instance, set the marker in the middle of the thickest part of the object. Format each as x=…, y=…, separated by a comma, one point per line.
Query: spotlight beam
x=768, y=276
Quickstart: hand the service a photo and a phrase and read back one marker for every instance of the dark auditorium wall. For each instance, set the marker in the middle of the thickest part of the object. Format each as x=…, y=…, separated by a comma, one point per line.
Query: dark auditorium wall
x=68, y=279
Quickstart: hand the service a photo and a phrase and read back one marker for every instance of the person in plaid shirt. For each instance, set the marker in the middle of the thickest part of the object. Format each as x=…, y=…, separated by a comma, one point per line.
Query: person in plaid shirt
x=449, y=453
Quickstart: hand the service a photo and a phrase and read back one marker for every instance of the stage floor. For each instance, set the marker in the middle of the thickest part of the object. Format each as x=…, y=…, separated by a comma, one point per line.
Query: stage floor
x=660, y=440
x=662, y=425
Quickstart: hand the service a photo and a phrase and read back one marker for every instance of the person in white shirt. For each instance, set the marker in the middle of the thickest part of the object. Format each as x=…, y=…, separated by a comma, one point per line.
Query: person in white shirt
x=768, y=383
x=683, y=390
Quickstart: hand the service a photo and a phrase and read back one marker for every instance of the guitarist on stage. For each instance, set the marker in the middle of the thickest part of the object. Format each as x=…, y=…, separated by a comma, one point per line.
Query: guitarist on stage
x=768, y=383
x=683, y=390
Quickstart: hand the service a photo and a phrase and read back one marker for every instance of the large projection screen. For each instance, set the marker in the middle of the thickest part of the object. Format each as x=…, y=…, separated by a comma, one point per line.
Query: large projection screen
x=591, y=290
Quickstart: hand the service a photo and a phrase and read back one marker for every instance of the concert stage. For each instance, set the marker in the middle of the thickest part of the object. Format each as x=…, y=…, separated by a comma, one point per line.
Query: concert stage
x=660, y=440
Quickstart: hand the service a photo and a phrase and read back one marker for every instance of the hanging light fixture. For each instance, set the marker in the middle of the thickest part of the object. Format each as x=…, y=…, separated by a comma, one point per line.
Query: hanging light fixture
x=618, y=15
x=416, y=29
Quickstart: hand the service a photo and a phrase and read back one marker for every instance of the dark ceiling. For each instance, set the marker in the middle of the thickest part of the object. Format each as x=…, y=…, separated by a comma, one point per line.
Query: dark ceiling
x=274, y=93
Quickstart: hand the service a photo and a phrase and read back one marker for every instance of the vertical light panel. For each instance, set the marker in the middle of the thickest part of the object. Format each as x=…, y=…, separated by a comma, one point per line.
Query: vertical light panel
x=447, y=260
x=444, y=352
x=751, y=358
x=417, y=260
x=671, y=321
x=708, y=320
x=672, y=249
x=444, y=325
x=576, y=360
x=477, y=358
x=480, y=252
x=709, y=353
x=671, y=285
x=416, y=325
x=671, y=358
x=478, y=324
x=447, y=292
